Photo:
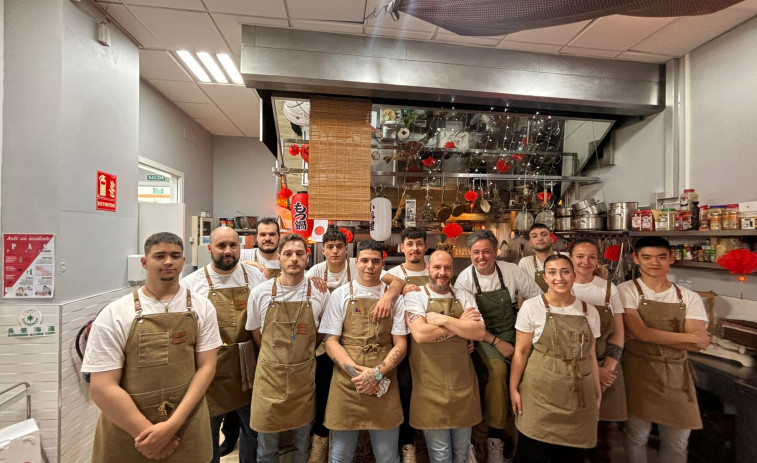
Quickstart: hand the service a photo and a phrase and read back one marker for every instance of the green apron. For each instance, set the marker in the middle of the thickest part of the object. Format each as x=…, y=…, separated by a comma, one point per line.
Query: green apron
x=496, y=308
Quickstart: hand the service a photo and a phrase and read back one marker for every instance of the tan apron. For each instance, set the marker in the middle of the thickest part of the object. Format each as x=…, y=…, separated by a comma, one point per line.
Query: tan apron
x=326, y=275
x=272, y=272
x=557, y=388
x=613, y=406
x=539, y=276
x=283, y=395
x=367, y=343
x=158, y=367
x=415, y=280
x=444, y=377
x=659, y=379
x=225, y=392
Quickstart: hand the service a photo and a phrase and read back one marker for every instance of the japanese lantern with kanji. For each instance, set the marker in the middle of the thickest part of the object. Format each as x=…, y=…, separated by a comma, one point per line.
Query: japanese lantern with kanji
x=300, y=222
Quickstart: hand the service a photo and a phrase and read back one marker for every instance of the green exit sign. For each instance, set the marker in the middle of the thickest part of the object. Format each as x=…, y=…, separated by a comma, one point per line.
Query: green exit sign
x=157, y=177
x=157, y=191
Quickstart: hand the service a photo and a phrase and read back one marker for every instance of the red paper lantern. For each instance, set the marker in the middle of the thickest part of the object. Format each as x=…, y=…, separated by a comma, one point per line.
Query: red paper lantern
x=449, y=145
x=540, y=195
x=502, y=166
x=300, y=222
x=347, y=234
x=470, y=196
x=519, y=157
x=739, y=261
x=305, y=153
x=453, y=230
x=294, y=150
x=613, y=253
x=285, y=193
x=428, y=162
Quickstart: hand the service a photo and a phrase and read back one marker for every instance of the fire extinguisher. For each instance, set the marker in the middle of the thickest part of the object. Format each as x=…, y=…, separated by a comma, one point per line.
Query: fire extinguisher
x=300, y=222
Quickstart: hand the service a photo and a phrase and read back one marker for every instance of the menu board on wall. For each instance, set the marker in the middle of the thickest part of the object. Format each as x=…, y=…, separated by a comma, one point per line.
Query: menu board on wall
x=28, y=265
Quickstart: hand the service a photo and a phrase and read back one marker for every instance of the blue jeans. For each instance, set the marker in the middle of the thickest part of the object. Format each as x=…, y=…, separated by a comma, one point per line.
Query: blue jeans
x=268, y=445
x=673, y=441
x=448, y=445
x=384, y=443
x=248, y=439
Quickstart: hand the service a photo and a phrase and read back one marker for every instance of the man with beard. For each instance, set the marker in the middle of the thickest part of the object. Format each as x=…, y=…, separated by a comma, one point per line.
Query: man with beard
x=266, y=255
x=441, y=322
x=227, y=284
x=495, y=284
x=540, y=239
x=284, y=317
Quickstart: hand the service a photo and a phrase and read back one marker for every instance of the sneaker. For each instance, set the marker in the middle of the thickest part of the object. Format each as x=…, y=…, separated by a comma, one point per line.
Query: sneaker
x=495, y=449
x=408, y=453
x=319, y=449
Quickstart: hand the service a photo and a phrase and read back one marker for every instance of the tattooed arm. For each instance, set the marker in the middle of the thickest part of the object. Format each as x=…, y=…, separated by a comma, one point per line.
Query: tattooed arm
x=395, y=356
x=423, y=331
x=340, y=356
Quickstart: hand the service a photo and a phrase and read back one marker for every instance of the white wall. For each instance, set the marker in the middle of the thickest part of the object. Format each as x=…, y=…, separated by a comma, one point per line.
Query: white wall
x=242, y=177
x=170, y=137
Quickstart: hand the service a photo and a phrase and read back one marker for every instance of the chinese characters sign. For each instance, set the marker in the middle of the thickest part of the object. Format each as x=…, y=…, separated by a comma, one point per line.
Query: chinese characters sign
x=28, y=265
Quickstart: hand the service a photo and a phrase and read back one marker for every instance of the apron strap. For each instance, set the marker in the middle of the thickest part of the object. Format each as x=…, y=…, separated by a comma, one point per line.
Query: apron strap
x=536, y=265
x=246, y=278
x=450, y=290
x=608, y=293
x=309, y=290
x=546, y=304
x=475, y=281
x=404, y=272
x=681, y=304
x=189, y=301
x=499, y=275
x=641, y=293
x=273, y=289
x=207, y=277
x=137, y=304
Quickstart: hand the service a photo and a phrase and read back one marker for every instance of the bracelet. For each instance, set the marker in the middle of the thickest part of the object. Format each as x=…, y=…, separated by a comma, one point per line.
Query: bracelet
x=496, y=341
x=494, y=338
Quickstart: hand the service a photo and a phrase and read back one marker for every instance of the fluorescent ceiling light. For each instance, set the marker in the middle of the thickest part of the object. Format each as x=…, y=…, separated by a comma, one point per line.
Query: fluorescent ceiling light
x=211, y=66
x=230, y=68
x=193, y=65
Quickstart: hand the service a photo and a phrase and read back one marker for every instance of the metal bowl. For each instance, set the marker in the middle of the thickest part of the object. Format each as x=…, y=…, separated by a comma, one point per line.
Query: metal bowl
x=595, y=209
x=583, y=204
x=564, y=212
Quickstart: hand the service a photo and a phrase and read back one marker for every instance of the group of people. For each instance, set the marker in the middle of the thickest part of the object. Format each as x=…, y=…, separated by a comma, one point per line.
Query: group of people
x=545, y=354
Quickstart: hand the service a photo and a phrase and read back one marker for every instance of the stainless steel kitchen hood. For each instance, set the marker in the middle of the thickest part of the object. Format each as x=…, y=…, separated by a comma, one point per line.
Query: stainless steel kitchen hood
x=284, y=60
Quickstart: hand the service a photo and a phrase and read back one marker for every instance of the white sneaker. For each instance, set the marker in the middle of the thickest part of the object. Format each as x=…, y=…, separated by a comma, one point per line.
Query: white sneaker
x=496, y=450
x=408, y=453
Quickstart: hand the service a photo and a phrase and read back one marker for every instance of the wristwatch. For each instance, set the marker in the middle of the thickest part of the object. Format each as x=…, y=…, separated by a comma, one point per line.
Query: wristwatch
x=377, y=372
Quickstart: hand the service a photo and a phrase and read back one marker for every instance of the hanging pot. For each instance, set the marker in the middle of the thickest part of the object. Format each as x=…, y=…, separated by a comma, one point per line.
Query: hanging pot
x=444, y=211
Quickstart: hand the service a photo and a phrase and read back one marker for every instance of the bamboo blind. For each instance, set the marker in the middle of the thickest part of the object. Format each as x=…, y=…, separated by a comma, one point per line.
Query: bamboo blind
x=340, y=159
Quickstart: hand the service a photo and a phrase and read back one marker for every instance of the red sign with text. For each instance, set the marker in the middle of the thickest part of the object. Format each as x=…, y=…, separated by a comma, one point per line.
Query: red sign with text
x=105, y=192
x=28, y=265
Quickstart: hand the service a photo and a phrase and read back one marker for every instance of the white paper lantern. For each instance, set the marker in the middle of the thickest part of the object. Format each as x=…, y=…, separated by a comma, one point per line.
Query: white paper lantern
x=381, y=219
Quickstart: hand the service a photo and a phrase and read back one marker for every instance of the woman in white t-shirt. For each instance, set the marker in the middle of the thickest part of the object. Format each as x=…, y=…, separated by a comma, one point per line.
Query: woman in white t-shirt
x=554, y=382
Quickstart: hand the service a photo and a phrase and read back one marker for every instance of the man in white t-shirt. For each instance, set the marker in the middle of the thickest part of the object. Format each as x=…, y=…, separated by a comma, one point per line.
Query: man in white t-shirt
x=227, y=284
x=665, y=321
x=266, y=254
x=152, y=355
x=283, y=318
x=363, y=393
x=495, y=285
x=441, y=322
x=540, y=239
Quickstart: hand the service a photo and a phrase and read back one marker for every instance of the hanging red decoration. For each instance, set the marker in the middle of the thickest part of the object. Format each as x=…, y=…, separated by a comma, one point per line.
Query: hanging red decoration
x=739, y=261
x=470, y=196
x=553, y=237
x=453, y=230
x=301, y=223
x=613, y=253
x=428, y=162
x=347, y=234
x=519, y=157
x=449, y=145
x=540, y=195
x=294, y=150
x=502, y=166
x=305, y=153
x=383, y=254
x=284, y=193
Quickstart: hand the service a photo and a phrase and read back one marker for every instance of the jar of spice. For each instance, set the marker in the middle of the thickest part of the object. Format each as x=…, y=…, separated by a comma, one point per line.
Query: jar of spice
x=731, y=217
x=635, y=220
x=716, y=218
x=647, y=220
x=704, y=218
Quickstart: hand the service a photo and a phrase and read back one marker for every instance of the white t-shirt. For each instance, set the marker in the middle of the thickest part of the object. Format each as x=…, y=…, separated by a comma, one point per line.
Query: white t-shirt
x=260, y=297
x=527, y=264
x=533, y=315
x=417, y=301
x=335, y=279
x=397, y=271
x=595, y=292
x=110, y=330
x=631, y=299
x=515, y=280
x=333, y=317
x=196, y=281
x=255, y=256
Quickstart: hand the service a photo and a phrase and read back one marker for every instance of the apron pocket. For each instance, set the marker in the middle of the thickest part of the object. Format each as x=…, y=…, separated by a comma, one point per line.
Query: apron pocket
x=272, y=382
x=225, y=313
x=153, y=349
x=157, y=406
x=301, y=379
x=558, y=391
x=434, y=376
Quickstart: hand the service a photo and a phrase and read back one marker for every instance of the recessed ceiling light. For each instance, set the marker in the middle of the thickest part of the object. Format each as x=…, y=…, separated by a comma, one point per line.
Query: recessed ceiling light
x=211, y=66
x=230, y=68
x=193, y=65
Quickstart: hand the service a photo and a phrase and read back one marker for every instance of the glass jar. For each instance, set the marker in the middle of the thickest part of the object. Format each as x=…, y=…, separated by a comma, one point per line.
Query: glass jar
x=635, y=220
x=716, y=219
x=731, y=218
x=704, y=218
x=647, y=220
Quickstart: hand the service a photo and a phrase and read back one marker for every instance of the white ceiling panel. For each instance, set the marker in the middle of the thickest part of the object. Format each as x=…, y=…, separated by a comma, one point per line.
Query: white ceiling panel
x=557, y=35
x=618, y=33
x=130, y=22
x=246, y=120
x=327, y=26
x=221, y=127
x=158, y=64
x=449, y=37
x=263, y=8
x=532, y=47
x=589, y=52
x=687, y=33
x=643, y=57
x=406, y=22
x=237, y=95
x=182, y=30
x=195, y=5
x=328, y=10
x=201, y=110
x=399, y=33
x=185, y=92
x=231, y=27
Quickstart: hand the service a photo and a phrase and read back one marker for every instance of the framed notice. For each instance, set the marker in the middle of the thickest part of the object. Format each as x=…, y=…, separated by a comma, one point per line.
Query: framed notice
x=28, y=265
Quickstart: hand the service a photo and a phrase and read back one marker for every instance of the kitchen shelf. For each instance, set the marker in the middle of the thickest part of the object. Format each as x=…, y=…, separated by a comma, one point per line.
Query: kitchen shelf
x=592, y=232
x=698, y=233
x=542, y=178
x=694, y=264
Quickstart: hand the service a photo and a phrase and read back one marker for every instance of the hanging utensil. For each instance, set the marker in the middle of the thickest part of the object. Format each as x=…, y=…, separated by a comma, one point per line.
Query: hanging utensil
x=484, y=203
x=427, y=213
x=400, y=207
x=457, y=208
x=444, y=210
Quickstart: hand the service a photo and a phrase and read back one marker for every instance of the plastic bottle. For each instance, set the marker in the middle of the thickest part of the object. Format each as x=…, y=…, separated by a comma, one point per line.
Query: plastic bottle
x=687, y=198
x=716, y=218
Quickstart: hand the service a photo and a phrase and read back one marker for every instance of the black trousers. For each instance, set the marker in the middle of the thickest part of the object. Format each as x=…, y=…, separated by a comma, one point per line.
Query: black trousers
x=534, y=451
x=405, y=383
x=324, y=369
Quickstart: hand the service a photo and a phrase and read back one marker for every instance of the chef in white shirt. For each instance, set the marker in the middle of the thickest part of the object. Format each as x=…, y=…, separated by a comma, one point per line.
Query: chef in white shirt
x=267, y=252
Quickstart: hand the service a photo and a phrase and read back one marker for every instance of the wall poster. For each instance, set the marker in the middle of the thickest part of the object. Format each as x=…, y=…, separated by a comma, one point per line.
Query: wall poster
x=28, y=265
